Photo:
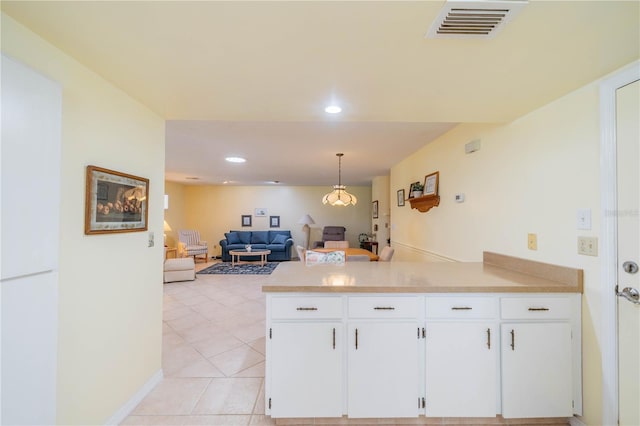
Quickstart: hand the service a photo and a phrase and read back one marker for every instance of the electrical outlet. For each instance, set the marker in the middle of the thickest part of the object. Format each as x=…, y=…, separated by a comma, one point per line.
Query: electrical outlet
x=588, y=246
x=532, y=241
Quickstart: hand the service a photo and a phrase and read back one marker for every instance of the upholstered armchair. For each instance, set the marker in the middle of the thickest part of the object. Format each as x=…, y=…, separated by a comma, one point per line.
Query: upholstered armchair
x=191, y=245
x=331, y=233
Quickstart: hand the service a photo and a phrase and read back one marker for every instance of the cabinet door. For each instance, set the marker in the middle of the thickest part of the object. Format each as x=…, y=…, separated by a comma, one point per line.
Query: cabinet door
x=306, y=369
x=461, y=369
x=536, y=370
x=383, y=369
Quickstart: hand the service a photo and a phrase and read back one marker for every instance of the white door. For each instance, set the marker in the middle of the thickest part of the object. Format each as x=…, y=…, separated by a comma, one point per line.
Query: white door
x=383, y=369
x=306, y=369
x=461, y=375
x=628, y=196
x=536, y=370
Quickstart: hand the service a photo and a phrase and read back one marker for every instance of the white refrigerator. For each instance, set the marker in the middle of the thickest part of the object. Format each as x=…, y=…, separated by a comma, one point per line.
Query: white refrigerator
x=29, y=213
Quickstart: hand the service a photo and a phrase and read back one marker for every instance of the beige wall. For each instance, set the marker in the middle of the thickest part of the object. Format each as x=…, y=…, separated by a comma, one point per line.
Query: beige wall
x=214, y=210
x=530, y=176
x=110, y=288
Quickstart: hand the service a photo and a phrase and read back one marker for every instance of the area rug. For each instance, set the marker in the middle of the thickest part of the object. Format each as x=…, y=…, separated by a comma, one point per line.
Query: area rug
x=225, y=268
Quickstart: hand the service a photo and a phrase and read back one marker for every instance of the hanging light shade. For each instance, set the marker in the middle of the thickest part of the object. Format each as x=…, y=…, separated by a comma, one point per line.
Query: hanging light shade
x=339, y=196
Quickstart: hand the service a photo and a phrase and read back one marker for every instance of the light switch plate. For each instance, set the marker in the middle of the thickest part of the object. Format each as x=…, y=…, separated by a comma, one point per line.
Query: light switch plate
x=583, y=219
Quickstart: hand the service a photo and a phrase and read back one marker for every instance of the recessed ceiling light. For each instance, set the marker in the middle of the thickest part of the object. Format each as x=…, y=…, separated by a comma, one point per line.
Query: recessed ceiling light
x=235, y=159
x=333, y=109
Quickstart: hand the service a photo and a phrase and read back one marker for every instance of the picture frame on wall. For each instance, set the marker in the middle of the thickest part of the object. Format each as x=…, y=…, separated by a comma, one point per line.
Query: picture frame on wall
x=260, y=212
x=274, y=221
x=400, y=197
x=375, y=209
x=431, y=184
x=246, y=220
x=115, y=202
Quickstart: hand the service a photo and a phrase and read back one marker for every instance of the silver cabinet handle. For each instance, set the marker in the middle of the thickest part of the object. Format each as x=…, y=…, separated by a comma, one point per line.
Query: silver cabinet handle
x=356, y=339
x=334, y=338
x=306, y=309
x=488, y=338
x=538, y=309
x=513, y=340
x=629, y=293
x=384, y=308
x=461, y=308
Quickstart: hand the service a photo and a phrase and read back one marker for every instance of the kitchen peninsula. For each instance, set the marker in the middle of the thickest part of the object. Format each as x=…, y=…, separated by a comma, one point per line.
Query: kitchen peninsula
x=417, y=340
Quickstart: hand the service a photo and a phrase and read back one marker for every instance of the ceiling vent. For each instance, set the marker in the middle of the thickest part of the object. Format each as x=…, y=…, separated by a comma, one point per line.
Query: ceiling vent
x=473, y=18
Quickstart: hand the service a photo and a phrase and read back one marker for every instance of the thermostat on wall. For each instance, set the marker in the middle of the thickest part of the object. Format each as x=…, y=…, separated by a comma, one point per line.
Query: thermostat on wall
x=459, y=198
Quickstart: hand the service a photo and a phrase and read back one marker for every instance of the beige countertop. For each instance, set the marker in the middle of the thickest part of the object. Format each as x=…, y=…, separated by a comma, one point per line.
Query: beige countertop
x=512, y=275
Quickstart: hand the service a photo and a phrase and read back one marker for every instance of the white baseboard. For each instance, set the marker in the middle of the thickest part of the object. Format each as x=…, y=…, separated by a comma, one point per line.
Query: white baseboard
x=409, y=252
x=132, y=403
x=574, y=421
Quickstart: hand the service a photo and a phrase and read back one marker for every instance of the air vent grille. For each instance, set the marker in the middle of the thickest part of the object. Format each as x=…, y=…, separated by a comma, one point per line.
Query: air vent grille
x=473, y=18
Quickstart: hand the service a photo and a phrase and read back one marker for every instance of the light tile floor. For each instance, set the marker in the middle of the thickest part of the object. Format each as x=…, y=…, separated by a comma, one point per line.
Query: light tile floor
x=212, y=354
x=213, y=360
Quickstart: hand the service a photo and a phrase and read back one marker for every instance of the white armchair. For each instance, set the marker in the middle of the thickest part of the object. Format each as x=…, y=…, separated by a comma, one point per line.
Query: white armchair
x=191, y=245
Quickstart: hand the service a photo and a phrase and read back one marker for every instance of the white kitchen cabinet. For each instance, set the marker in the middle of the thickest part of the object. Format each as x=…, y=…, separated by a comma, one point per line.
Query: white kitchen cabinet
x=383, y=369
x=461, y=369
x=537, y=358
x=306, y=369
x=365, y=355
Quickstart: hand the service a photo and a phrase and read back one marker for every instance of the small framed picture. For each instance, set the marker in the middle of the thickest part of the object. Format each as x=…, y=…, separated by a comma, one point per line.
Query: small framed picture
x=246, y=220
x=260, y=212
x=431, y=184
x=400, y=197
x=274, y=221
x=375, y=209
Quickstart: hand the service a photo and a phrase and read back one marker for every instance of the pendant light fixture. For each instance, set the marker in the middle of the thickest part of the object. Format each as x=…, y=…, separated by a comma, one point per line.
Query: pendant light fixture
x=339, y=196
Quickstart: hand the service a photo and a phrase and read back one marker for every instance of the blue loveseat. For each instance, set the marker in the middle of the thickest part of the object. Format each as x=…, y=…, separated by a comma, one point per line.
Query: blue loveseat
x=279, y=242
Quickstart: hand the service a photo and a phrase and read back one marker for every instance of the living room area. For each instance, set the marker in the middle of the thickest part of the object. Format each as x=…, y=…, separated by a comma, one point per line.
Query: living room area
x=214, y=210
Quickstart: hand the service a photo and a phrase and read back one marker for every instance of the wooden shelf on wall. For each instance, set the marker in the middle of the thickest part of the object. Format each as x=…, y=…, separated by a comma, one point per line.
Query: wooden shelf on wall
x=424, y=204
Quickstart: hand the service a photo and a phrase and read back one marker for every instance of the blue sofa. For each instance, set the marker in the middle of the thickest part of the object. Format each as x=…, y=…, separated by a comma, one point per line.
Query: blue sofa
x=279, y=242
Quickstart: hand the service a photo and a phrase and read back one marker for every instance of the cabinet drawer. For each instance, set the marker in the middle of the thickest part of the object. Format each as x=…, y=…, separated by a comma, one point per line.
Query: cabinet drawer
x=461, y=307
x=306, y=307
x=536, y=307
x=383, y=307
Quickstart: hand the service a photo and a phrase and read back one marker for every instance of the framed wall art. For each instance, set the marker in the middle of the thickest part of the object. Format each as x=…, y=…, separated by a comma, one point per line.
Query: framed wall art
x=400, y=197
x=246, y=220
x=431, y=183
x=274, y=221
x=375, y=209
x=115, y=202
x=260, y=212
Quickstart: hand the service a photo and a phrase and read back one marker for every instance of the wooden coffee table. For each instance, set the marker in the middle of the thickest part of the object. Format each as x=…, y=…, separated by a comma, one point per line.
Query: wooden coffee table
x=237, y=254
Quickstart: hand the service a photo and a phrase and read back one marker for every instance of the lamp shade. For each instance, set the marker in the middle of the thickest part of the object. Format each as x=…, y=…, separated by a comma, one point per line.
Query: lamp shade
x=306, y=220
x=167, y=228
x=339, y=197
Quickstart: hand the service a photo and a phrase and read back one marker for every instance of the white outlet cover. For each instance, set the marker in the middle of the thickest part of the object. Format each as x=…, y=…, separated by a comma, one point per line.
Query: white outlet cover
x=583, y=219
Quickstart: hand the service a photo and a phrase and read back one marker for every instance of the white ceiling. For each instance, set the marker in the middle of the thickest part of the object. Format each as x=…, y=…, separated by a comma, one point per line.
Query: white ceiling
x=253, y=78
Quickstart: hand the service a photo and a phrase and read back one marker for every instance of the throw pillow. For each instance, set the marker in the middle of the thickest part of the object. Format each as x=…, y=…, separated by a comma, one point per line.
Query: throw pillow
x=279, y=239
x=232, y=238
x=260, y=237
